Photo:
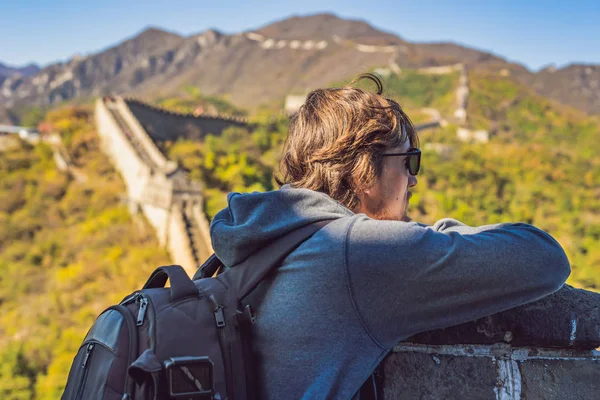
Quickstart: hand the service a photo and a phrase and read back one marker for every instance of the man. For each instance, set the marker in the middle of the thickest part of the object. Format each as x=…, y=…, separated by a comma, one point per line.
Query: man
x=372, y=277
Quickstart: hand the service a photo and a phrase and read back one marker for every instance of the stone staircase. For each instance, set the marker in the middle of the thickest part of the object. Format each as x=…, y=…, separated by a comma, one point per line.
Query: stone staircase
x=192, y=231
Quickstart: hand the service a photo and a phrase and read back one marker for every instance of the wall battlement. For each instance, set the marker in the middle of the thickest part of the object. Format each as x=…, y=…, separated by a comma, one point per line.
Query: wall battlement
x=164, y=125
x=164, y=111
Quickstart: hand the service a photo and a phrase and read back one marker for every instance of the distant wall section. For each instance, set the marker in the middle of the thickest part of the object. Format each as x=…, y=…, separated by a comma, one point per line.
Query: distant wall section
x=162, y=125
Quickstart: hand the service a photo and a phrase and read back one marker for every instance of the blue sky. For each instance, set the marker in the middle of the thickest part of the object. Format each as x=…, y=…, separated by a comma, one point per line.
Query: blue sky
x=534, y=32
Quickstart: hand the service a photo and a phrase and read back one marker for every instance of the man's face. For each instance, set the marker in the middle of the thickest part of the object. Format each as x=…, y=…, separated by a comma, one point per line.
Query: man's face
x=388, y=198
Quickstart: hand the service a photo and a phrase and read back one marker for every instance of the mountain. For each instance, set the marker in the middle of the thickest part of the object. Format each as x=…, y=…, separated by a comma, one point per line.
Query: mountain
x=111, y=69
x=28, y=70
x=8, y=117
x=324, y=27
x=263, y=66
x=577, y=85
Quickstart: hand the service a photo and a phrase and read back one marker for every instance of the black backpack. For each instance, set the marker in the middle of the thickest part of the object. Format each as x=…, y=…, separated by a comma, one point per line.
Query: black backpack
x=188, y=341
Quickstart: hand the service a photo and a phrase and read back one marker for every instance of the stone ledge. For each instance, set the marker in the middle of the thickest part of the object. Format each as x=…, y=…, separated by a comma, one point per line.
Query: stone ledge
x=569, y=318
x=418, y=371
x=541, y=350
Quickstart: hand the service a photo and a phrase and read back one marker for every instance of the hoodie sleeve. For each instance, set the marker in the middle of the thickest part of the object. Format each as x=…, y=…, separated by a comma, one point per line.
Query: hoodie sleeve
x=407, y=278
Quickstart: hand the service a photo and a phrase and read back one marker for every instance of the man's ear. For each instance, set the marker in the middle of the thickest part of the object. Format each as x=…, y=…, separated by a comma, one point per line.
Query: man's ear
x=362, y=192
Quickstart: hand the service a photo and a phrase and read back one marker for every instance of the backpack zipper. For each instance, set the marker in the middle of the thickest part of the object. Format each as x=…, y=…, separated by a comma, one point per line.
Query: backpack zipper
x=222, y=330
x=218, y=311
x=142, y=311
x=86, y=358
x=138, y=297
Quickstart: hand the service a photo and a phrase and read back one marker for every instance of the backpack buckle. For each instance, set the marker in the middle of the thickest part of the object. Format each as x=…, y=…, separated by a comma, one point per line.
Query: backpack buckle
x=189, y=377
x=250, y=314
x=247, y=315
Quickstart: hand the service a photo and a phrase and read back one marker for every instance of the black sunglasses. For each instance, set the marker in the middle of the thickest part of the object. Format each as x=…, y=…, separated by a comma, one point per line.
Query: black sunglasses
x=413, y=159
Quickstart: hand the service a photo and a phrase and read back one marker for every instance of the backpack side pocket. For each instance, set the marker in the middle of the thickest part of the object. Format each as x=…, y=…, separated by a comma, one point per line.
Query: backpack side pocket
x=100, y=366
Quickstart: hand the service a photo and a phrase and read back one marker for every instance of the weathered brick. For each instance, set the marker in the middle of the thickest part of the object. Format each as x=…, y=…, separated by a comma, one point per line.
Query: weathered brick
x=561, y=379
x=415, y=371
x=422, y=376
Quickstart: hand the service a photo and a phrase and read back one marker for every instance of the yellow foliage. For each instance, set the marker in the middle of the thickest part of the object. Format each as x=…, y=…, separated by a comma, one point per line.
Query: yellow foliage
x=69, y=276
x=68, y=250
x=114, y=254
x=50, y=386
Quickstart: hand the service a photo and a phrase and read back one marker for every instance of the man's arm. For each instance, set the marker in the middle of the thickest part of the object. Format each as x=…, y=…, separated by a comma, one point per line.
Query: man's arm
x=408, y=278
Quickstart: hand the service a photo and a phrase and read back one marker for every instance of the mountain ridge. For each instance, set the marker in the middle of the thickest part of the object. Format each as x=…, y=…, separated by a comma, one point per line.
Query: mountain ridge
x=264, y=65
x=8, y=70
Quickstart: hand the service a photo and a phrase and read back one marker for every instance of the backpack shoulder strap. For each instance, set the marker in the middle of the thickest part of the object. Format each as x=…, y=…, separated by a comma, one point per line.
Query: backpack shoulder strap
x=209, y=268
x=249, y=273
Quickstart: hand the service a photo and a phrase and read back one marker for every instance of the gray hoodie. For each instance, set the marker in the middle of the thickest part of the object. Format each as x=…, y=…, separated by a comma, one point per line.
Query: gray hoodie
x=346, y=296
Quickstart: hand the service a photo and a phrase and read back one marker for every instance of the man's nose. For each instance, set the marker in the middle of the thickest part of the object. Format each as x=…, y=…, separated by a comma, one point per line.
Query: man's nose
x=412, y=180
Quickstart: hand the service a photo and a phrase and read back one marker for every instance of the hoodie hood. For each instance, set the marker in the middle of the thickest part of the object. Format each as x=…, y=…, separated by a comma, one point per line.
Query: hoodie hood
x=252, y=220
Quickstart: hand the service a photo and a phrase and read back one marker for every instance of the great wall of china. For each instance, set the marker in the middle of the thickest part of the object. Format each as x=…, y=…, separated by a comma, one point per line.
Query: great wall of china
x=463, y=133
x=169, y=200
x=543, y=350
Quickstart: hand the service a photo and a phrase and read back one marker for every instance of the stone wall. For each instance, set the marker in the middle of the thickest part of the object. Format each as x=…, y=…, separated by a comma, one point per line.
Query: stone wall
x=441, y=70
x=542, y=350
x=121, y=152
x=475, y=136
x=138, y=130
x=159, y=218
x=179, y=245
x=162, y=125
x=203, y=230
x=462, y=96
x=301, y=44
x=155, y=185
x=158, y=192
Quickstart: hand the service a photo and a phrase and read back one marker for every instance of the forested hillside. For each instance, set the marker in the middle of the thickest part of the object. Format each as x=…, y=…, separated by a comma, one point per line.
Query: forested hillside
x=69, y=248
